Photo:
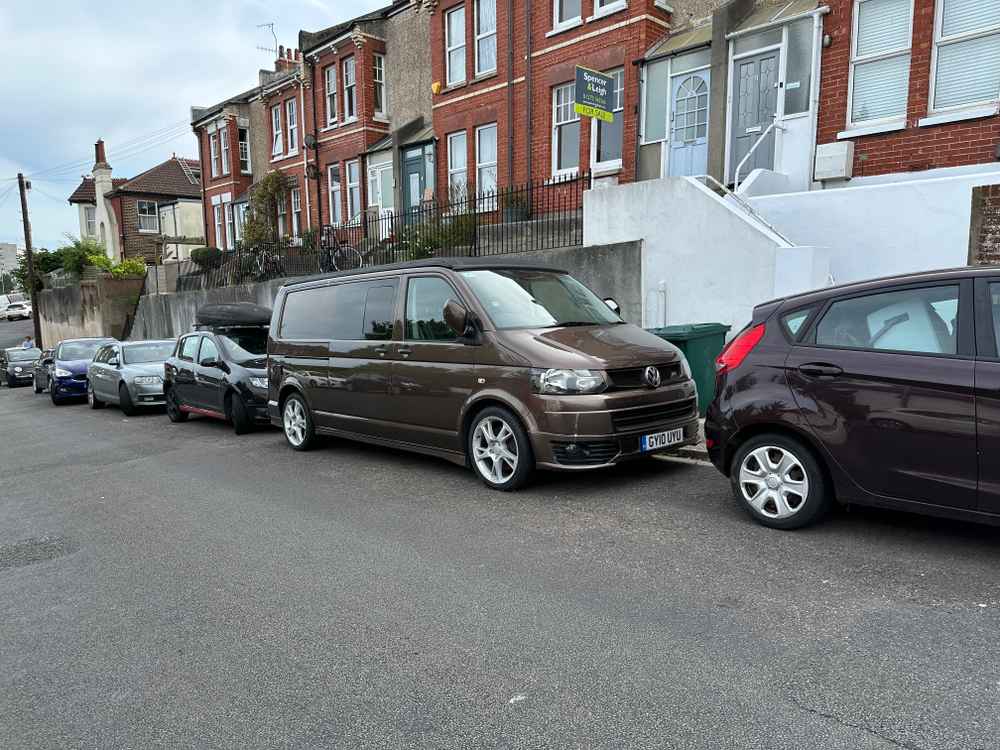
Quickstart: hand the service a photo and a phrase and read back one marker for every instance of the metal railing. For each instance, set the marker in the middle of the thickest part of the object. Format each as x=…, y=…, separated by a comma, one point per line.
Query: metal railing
x=739, y=167
x=718, y=187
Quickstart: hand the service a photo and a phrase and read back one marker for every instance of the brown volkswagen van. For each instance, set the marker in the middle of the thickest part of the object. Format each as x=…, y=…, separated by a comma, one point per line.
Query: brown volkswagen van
x=501, y=365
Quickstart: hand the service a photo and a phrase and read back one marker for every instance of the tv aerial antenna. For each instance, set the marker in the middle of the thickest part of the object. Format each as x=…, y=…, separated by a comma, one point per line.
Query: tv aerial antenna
x=269, y=27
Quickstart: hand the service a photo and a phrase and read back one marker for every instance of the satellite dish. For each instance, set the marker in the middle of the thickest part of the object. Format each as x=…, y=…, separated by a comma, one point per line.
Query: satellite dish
x=310, y=140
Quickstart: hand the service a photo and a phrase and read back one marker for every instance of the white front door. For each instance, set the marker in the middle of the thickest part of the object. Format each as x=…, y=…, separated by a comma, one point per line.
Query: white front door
x=688, y=127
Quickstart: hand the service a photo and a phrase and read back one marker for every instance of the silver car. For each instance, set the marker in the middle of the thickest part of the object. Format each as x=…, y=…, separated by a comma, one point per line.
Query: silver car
x=128, y=373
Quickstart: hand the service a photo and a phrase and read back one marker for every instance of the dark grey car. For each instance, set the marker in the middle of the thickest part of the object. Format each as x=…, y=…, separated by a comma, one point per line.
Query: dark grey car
x=129, y=374
x=18, y=365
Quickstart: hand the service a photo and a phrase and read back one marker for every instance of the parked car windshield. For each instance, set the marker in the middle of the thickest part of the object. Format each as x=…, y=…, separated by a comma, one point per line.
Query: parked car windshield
x=151, y=351
x=78, y=350
x=524, y=298
x=24, y=355
x=245, y=344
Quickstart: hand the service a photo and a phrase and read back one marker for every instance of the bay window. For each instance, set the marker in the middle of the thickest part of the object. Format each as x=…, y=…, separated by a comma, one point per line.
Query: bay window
x=486, y=36
x=230, y=226
x=213, y=151
x=454, y=41
x=224, y=141
x=244, y=138
x=966, y=54
x=217, y=211
x=880, y=61
x=350, y=91
x=565, y=131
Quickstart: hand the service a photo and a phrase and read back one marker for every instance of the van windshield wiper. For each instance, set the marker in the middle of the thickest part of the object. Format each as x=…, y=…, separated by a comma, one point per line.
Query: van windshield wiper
x=571, y=323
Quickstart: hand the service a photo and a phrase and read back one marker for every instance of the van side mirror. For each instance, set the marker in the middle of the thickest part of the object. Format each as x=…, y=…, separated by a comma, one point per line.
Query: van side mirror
x=456, y=315
x=615, y=307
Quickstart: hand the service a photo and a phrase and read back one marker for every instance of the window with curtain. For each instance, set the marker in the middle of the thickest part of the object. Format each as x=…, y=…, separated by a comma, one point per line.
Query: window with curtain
x=213, y=149
x=331, y=95
x=296, y=212
x=293, y=126
x=350, y=87
x=277, y=137
x=454, y=41
x=880, y=60
x=565, y=130
x=353, y=190
x=244, y=139
x=90, y=216
x=458, y=176
x=967, y=53
x=224, y=140
x=567, y=13
x=282, y=218
x=486, y=36
x=486, y=164
x=333, y=181
x=378, y=76
x=608, y=135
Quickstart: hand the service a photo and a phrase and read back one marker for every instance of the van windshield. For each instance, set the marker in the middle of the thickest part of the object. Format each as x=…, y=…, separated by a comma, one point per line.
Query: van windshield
x=524, y=298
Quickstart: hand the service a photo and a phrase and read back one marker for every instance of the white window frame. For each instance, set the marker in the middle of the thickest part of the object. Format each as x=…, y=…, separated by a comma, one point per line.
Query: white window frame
x=488, y=201
x=856, y=61
x=611, y=164
x=282, y=214
x=217, y=211
x=377, y=175
x=449, y=47
x=296, y=212
x=568, y=23
x=292, y=126
x=336, y=211
x=480, y=36
x=239, y=219
x=213, y=153
x=330, y=76
x=353, y=216
x=230, y=226
x=463, y=170
x=90, y=220
x=350, y=89
x=942, y=41
x=277, y=132
x=244, y=147
x=569, y=171
x=604, y=8
x=378, y=84
x=140, y=216
x=224, y=141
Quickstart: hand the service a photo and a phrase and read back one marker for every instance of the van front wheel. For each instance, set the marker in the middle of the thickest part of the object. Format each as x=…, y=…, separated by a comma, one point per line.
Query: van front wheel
x=499, y=450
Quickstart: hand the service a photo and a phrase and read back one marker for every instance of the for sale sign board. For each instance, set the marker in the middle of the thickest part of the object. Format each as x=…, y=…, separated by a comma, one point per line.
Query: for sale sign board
x=594, y=92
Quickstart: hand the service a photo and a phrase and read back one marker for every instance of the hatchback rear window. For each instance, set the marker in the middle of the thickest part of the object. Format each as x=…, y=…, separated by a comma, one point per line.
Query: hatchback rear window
x=792, y=322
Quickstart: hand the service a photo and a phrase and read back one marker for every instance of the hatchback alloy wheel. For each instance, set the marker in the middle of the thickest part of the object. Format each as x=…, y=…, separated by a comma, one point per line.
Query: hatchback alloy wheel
x=773, y=482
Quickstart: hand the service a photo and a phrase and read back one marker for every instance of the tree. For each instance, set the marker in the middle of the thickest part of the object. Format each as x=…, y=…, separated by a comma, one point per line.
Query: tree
x=261, y=219
x=72, y=258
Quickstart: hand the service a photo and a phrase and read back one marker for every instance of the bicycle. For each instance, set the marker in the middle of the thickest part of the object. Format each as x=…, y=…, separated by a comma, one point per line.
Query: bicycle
x=337, y=256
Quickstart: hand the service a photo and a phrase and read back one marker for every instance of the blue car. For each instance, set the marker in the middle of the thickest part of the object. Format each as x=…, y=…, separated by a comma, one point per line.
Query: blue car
x=68, y=371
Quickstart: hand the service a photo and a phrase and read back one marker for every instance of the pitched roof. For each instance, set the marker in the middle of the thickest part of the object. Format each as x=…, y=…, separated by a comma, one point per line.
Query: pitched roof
x=200, y=113
x=85, y=193
x=175, y=176
x=309, y=41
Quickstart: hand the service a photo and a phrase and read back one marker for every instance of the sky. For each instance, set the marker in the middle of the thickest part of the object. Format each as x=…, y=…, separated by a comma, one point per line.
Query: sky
x=129, y=73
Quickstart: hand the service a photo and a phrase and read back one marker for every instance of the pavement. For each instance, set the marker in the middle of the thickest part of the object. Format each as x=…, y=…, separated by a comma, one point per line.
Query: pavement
x=169, y=586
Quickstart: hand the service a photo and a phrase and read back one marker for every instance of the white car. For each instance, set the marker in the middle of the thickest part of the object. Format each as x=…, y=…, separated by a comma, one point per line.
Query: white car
x=18, y=311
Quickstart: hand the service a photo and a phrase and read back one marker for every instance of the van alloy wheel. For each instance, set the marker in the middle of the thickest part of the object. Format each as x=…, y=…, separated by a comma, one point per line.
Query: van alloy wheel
x=774, y=482
x=494, y=449
x=294, y=420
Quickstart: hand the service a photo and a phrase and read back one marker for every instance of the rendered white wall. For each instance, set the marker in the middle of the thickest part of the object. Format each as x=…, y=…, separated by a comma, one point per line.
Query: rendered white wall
x=703, y=260
x=881, y=229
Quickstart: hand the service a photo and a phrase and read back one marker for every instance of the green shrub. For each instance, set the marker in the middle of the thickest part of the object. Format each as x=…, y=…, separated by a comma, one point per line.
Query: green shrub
x=206, y=257
x=129, y=267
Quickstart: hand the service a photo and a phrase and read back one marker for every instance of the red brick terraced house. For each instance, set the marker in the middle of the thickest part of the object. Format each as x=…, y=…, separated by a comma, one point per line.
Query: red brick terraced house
x=504, y=75
x=150, y=216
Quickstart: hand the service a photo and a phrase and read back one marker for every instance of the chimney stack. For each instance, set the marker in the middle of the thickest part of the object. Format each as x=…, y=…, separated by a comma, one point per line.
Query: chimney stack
x=288, y=58
x=100, y=159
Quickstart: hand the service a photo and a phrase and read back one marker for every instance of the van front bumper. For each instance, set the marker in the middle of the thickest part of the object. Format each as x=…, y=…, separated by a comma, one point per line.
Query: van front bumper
x=577, y=433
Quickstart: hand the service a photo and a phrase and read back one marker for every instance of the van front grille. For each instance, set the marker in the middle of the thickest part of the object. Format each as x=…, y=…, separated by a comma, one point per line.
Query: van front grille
x=590, y=453
x=631, y=378
x=644, y=417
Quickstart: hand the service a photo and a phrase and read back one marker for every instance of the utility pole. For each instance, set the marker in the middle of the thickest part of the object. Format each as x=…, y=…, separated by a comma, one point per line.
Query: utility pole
x=31, y=260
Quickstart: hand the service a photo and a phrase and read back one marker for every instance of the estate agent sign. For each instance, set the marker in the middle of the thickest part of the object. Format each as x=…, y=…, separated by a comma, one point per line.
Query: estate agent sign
x=594, y=94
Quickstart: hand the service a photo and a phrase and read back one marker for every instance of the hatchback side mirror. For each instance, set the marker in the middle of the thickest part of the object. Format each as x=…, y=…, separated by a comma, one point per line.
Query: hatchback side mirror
x=456, y=315
x=211, y=363
x=47, y=361
x=615, y=307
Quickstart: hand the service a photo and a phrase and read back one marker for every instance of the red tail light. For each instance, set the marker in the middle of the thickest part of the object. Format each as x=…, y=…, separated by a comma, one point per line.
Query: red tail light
x=737, y=350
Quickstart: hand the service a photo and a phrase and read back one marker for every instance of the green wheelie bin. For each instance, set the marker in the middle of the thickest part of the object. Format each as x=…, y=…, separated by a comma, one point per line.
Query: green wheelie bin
x=701, y=343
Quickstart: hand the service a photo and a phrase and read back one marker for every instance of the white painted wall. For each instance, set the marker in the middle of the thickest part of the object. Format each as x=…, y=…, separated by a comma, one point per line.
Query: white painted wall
x=704, y=260
x=882, y=229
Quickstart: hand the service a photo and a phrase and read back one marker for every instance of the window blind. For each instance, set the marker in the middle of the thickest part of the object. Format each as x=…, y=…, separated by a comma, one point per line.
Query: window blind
x=880, y=89
x=968, y=72
x=883, y=26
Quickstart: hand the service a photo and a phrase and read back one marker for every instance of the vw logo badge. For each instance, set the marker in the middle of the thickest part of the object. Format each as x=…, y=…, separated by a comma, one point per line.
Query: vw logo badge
x=652, y=377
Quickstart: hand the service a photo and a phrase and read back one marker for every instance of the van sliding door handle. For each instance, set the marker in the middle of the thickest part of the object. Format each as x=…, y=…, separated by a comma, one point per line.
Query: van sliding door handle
x=820, y=370
x=381, y=350
x=404, y=351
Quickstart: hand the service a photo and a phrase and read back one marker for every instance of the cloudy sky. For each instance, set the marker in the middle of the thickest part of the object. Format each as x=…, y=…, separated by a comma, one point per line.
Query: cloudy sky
x=127, y=72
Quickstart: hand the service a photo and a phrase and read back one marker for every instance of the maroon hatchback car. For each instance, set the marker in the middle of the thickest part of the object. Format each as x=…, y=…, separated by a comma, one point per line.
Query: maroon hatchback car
x=882, y=393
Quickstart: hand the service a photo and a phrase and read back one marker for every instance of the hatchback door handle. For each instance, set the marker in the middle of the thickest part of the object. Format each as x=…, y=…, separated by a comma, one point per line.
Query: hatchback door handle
x=820, y=370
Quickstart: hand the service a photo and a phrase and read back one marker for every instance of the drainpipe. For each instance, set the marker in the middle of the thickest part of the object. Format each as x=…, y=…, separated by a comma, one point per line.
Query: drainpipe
x=319, y=182
x=527, y=86
x=305, y=150
x=640, y=65
x=510, y=91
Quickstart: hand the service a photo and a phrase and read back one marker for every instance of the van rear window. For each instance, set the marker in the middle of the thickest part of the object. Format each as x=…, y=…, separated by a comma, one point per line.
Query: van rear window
x=347, y=312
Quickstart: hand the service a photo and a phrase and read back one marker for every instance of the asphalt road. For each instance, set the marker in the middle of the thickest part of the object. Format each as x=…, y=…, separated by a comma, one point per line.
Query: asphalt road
x=178, y=586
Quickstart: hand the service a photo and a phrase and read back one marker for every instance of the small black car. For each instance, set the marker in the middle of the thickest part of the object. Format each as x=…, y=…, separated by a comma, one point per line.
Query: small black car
x=220, y=370
x=18, y=364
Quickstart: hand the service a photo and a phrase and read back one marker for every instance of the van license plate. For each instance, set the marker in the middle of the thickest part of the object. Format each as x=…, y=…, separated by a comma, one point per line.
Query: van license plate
x=659, y=440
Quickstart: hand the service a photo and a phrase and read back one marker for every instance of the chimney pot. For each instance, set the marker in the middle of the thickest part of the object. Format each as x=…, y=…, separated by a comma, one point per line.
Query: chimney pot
x=99, y=156
x=281, y=50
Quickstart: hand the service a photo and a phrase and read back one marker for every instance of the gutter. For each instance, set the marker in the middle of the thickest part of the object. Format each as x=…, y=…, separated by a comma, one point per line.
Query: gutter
x=319, y=184
x=821, y=11
x=305, y=149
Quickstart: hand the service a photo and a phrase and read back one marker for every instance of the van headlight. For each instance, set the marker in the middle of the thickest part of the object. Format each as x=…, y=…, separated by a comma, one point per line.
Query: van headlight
x=561, y=382
x=686, y=367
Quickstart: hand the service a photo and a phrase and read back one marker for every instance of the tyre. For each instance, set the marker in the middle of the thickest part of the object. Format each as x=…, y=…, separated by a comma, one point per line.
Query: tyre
x=174, y=412
x=125, y=401
x=11, y=383
x=52, y=395
x=240, y=415
x=93, y=400
x=779, y=482
x=296, y=420
x=37, y=388
x=499, y=450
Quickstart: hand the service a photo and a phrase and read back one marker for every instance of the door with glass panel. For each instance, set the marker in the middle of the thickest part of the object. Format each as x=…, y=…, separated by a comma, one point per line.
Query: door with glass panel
x=755, y=105
x=688, y=154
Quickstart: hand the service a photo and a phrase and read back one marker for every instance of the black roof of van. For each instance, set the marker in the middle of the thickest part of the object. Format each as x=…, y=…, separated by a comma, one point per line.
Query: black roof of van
x=452, y=264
